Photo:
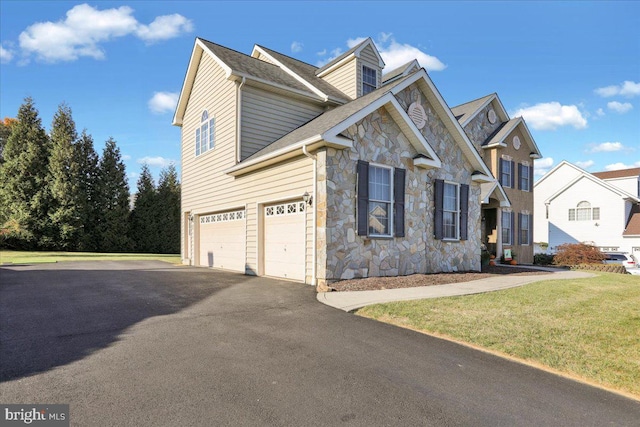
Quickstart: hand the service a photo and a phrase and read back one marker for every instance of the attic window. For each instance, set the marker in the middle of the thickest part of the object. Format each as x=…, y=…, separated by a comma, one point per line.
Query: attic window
x=369, y=80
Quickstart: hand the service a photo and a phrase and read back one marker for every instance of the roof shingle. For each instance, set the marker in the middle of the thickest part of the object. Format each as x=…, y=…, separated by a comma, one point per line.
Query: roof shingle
x=622, y=173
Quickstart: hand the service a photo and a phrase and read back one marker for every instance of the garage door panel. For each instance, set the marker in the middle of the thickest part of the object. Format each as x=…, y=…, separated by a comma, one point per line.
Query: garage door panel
x=285, y=241
x=222, y=241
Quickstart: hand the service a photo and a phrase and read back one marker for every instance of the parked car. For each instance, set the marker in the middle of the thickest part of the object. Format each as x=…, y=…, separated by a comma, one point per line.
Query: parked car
x=624, y=258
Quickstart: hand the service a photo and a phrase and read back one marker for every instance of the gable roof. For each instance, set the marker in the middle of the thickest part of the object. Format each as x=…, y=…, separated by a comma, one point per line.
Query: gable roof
x=633, y=223
x=466, y=112
x=303, y=72
x=354, y=52
x=584, y=175
x=329, y=125
x=622, y=173
x=239, y=66
x=401, y=71
x=504, y=130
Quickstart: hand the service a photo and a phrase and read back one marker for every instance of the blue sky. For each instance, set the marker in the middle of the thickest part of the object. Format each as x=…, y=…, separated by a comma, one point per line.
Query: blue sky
x=571, y=69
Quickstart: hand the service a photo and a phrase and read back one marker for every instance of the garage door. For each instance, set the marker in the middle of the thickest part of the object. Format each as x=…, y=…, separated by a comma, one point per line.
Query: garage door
x=222, y=240
x=284, y=241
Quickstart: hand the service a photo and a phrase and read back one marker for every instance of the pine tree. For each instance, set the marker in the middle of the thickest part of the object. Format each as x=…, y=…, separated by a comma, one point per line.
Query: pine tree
x=146, y=212
x=65, y=191
x=113, y=201
x=24, y=194
x=169, y=202
x=5, y=131
x=87, y=161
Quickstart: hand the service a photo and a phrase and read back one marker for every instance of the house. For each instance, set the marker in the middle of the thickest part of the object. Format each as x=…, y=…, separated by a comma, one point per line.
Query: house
x=508, y=149
x=602, y=208
x=317, y=174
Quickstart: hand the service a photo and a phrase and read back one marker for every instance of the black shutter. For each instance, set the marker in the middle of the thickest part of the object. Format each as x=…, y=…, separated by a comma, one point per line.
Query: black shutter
x=520, y=176
x=513, y=229
x=519, y=228
x=438, y=205
x=531, y=177
x=530, y=229
x=362, y=188
x=464, y=211
x=500, y=172
x=398, y=199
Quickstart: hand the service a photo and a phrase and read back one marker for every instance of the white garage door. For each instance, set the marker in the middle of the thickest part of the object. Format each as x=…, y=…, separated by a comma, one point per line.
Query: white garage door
x=222, y=240
x=284, y=241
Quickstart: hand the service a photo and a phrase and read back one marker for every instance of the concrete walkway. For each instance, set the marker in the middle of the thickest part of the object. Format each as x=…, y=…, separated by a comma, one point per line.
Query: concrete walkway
x=349, y=301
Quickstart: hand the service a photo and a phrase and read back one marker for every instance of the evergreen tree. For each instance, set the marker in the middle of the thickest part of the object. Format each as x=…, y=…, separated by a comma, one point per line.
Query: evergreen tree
x=5, y=131
x=65, y=191
x=146, y=212
x=113, y=201
x=24, y=194
x=87, y=161
x=169, y=202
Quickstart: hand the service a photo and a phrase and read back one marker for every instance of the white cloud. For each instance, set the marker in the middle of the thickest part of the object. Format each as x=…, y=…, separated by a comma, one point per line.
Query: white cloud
x=585, y=165
x=600, y=112
x=619, y=107
x=552, y=115
x=133, y=175
x=163, y=102
x=85, y=28
x=542, y=166
x=6, y=55
x=606, y=147
x=156, y=161
x=393, y=54
x=164, y=27
x=620, y=165
x=626, y=88
x=296, y=47
x=126, y=157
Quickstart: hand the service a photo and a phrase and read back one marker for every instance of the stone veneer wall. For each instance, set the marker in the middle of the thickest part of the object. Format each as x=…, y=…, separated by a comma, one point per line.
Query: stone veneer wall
x=479, y=129
x=342, y=254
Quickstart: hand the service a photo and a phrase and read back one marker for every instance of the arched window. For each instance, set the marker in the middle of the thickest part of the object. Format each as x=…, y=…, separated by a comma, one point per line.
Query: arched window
x=584, y=212
x=205, y=134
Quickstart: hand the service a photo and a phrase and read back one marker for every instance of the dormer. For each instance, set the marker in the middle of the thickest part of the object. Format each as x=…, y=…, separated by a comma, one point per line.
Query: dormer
x=356, y=72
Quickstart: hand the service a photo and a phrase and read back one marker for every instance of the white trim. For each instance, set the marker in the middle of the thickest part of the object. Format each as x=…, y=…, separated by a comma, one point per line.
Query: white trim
x=457, y=212
x=391, y=170
x=595, y=180
x=354, y=54
x=362, y=82
x=286, y=69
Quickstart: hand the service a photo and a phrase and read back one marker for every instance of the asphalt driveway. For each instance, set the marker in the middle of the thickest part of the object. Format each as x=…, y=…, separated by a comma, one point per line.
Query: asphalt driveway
x=146, y=343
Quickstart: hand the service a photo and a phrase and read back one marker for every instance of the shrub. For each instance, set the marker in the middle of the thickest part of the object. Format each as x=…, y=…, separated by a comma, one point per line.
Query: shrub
x=543, y=259
x=578, y=253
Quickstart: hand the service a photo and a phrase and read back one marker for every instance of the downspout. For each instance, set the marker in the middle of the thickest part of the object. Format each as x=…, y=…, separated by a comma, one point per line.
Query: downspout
x=238, y=119
x=315, y=203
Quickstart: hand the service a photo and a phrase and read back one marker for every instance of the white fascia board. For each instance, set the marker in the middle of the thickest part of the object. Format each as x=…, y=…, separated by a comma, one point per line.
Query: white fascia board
x=337, y=65
x=370, y=42
x=198, y=48
x=289, y=71
x=482, y=178
x=459, y=134
x=288, y=152
x=358, y=115
x=494, y=145
x=240, y=76
x=555, y=168
x=475, y=113
x=424, y=163
x=535, y=151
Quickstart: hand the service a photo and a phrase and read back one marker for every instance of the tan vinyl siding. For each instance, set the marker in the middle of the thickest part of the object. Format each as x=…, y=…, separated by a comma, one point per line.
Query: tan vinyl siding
x=261, y=57
x=368, y=56
x=267, y=117
x=345, y=79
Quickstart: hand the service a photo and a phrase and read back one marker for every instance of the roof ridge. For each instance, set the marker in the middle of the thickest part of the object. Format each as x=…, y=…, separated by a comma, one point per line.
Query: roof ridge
x=285, y=55
x=474, y=100
x=238, y=52
x=342, y=56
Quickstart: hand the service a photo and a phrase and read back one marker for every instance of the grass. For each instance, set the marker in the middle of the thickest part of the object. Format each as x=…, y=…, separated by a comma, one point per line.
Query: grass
x=587, y=328
x=26, y=257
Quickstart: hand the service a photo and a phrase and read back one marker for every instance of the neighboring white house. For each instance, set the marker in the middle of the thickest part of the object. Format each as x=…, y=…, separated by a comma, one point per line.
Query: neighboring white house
x=572, y=205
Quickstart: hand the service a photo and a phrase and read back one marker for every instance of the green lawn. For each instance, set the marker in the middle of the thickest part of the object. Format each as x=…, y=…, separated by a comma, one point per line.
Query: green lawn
x=24, y=257
x=588, y=328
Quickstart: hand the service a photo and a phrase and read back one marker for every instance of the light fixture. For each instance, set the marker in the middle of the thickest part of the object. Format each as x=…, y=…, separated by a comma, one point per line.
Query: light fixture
x=308, y=199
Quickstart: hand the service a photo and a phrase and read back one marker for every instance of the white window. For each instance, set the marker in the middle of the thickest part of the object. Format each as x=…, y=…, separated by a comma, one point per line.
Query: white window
x=205, y=134
x=369, y=80
x=525, y=185
x=451, y=211
x=506, y=173
x=525, y=226
x=380, y=201
x=506, y=228
x=584, y=212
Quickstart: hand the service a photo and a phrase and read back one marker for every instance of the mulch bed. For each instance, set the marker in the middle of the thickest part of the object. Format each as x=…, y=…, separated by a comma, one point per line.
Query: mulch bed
x=415, y=280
